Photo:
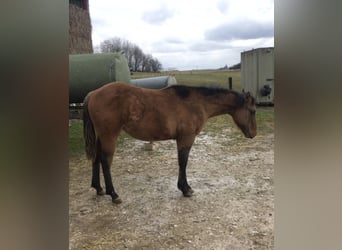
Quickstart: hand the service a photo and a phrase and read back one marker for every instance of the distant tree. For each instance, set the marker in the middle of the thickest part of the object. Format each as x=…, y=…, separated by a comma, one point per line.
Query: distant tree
x=136, y=59
x=127, y=49
x=156, y=65
x=236, y=66
x=223, y=68
x=111, y=45
x=146, y=63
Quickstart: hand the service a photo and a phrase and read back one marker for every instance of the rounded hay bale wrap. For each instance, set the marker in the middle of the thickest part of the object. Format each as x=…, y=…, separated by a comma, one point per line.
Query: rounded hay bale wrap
x=91, y=71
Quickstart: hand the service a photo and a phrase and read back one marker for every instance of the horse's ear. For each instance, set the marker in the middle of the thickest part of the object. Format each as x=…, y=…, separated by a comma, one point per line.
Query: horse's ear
x=247, y=96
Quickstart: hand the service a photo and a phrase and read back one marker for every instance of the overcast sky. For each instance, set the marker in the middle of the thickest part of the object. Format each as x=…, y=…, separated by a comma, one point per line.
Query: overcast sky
x=186, y=34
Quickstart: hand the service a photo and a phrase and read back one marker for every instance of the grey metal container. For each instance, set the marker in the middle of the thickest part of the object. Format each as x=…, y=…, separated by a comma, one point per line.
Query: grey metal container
x=154, y=82
x=257, y=74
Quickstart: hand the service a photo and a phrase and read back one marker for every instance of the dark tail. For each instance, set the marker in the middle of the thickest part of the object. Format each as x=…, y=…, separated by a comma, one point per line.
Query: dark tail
x=88, y=132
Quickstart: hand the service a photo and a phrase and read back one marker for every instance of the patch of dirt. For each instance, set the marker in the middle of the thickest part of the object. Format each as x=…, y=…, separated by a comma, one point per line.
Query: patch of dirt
x=232, y=207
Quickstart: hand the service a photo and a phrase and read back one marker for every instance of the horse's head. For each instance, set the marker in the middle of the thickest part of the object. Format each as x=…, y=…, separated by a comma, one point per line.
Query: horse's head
x=244, y=116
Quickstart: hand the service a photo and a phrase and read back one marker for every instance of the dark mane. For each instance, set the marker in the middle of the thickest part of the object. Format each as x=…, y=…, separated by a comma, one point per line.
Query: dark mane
x=184, y=91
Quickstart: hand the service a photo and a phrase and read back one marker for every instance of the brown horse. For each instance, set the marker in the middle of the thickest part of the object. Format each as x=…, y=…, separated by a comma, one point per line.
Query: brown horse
x=175, y=112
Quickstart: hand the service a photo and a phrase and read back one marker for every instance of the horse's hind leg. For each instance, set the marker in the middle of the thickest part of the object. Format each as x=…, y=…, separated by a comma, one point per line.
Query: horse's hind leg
x=95, y=181
x=106, y=157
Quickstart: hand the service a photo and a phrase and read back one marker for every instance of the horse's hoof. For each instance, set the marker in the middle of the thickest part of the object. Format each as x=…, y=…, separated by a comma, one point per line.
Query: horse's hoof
x=188, y=193
x=117, y=200
x=100, y=192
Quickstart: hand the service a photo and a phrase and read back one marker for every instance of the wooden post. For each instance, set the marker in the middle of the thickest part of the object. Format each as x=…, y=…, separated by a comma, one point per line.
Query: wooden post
x=230, y=83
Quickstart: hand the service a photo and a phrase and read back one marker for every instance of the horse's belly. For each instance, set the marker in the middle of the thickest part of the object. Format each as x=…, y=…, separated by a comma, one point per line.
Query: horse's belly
x=149, y=134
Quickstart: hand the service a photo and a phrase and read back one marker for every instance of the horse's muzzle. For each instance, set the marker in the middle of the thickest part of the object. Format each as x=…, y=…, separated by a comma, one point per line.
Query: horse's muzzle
x=249, y=134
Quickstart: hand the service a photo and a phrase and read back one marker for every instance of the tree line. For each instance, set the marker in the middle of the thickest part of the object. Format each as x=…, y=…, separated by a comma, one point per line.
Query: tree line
x=235, y=66
x=136, y=58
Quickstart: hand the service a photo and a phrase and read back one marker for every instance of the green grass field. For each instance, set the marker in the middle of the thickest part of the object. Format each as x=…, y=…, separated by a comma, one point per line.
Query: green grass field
x=265, y=115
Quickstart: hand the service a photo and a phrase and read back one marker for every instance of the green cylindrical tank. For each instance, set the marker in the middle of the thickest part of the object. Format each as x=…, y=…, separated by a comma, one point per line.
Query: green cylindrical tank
x=154, y=82
x=90, y=71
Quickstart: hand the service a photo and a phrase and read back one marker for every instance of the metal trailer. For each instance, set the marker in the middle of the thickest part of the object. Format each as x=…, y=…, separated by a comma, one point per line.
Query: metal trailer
x=91, y=71
x=257, y=74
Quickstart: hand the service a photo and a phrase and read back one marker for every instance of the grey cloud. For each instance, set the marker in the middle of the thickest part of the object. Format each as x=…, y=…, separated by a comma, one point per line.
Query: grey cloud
x=98, y=22
x=171, y=45
x=208, y=46
x=157, y=16
x=223, y=6
x=173, y=40
x=245, y=29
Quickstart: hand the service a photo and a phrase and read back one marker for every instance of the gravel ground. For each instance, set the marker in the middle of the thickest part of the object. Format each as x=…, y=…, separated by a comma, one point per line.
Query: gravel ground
x=232, y=207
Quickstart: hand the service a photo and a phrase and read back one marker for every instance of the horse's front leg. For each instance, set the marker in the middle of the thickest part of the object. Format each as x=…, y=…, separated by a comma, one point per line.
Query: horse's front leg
x=183, y=155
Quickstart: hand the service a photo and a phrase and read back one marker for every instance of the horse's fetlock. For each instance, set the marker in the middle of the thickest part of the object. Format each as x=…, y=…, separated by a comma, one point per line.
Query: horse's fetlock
x=181, y=186
x=99, y=191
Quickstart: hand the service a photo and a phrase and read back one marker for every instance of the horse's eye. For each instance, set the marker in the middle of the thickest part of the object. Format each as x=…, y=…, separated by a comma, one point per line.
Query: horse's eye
x=253, y=112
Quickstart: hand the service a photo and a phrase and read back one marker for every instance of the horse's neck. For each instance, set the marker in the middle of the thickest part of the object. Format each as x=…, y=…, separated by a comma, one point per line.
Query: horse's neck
x=219, y=105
